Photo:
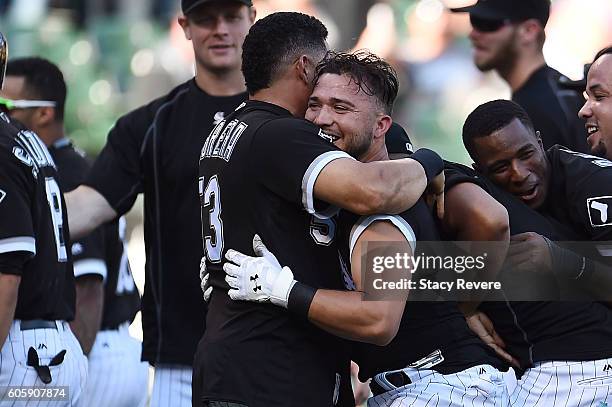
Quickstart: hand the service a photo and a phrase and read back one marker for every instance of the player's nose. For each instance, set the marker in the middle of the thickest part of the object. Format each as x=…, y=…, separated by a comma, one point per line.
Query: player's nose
x=518, y=172
x=323, y=117
x=585, y=111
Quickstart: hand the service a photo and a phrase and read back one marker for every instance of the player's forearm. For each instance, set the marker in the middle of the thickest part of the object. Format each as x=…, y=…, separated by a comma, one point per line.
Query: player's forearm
x=87, y=209
x=394, y=186
x=345, y=314
x=9, y=287
x=89, y=306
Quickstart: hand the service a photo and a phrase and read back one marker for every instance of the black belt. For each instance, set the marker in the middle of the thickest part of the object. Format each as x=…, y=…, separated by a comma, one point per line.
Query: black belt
x=398, y=379
x=37, y=324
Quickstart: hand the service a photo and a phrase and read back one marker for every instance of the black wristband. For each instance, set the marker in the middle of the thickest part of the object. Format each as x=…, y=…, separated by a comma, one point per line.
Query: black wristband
x=300, y=298
x=430, y=160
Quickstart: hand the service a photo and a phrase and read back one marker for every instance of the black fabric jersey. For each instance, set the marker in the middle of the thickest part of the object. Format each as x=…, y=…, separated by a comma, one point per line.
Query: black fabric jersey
x=541, y=331
x=580, y=192
x=101, y=252
x=33, y=221
x=553, y=110
x=154, y=150
x=257, y=172
x=425, y=326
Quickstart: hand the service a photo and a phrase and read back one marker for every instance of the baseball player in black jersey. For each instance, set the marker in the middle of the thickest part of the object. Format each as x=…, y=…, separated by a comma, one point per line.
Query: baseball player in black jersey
x=107, y=299
x=257, y=354
x=154, y=150
x=565, y=346
x=597, y=111
x=351, y=101
x=37, y=293
x=508, y=37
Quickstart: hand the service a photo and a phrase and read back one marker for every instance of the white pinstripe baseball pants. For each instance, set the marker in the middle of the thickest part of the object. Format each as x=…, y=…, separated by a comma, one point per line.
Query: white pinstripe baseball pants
x=72, y=372
x=572, y=384
x=117, y=377
x=478, y=386
x=171, y=386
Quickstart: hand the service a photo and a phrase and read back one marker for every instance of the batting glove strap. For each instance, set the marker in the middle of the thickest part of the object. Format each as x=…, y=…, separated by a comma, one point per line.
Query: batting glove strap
x=300, y=298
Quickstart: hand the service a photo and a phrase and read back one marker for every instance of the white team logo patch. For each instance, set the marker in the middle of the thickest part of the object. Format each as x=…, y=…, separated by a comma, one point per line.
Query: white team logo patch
x=2, y=195
x=599, y=211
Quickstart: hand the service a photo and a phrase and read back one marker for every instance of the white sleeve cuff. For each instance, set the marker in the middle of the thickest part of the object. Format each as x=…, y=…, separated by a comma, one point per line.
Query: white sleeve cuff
x=90, y=266
x=309, y=179
x=366, y=221
x=18, y=244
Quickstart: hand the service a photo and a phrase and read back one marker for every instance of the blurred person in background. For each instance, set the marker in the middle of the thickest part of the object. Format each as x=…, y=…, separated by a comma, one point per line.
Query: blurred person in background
x=154, y=150
x=106, y=296
x=508, y=37
x=597, y=111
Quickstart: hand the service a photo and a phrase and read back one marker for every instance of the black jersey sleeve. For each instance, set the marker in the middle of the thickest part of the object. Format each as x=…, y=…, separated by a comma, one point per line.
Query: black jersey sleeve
x=16, y=225
x=88, y=255
x=289, y=155
x=585, y=182
x=117, y=172
x=457, y=173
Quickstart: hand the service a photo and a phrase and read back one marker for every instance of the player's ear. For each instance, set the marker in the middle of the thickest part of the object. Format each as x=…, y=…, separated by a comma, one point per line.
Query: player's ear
x=304, y=69
x=184, y=23
x=252, y=14
x=382, y=125
x=539, y=138
x=45, y=116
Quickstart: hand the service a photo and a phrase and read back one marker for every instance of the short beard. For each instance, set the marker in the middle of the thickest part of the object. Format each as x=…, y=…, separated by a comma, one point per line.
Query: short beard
x=359, y=146
x=504, y=60
x=601, y=151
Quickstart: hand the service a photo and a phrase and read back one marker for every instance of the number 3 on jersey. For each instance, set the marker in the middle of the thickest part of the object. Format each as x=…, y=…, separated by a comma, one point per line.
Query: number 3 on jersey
x=212, y=225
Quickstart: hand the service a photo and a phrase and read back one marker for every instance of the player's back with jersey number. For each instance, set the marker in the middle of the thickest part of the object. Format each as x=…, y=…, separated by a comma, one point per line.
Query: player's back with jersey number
x=34, y=222
x=40, y=348
x=257, y=171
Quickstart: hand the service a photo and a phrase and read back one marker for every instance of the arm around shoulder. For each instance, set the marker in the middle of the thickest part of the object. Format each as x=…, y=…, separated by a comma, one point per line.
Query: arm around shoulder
x=370, y=188
x=87, y=209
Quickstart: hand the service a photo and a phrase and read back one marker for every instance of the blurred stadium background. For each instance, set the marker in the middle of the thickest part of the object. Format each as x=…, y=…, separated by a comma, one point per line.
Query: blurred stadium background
x=117, y=55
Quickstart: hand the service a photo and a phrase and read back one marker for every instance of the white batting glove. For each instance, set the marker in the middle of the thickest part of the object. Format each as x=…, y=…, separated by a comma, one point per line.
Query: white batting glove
x=206, y=288
x=258, y=279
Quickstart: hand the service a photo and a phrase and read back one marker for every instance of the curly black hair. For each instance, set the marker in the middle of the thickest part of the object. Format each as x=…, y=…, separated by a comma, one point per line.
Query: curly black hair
x=42, y=80
x=372, y=74
x=276, y=41
x=490, y=117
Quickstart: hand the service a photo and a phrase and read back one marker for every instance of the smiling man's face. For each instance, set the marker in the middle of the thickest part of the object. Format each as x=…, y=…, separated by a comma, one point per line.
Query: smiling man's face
x=597, y=111
x=345, y=112
x=514, y=159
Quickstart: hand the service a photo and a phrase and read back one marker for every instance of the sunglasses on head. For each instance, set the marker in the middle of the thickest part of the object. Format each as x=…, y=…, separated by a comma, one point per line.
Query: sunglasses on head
x=488, y=25
x=10, y=104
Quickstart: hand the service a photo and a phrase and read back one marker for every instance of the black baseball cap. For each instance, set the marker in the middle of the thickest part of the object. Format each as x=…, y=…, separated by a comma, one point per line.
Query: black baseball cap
x=514, y=10
x=189, y=5
x=398, y=141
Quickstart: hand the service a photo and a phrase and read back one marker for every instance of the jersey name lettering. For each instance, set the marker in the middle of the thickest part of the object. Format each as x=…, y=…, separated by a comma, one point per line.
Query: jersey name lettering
x=220, y=144
x=32, y=152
